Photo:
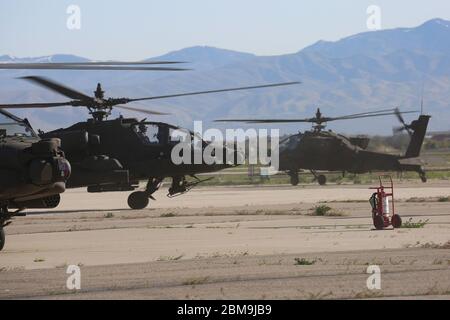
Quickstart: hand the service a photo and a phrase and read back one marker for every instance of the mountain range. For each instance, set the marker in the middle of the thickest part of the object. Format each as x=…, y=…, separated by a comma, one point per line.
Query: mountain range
x=364, y=72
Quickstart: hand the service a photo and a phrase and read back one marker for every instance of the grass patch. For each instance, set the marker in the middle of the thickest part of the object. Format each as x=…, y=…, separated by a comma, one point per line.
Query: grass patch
x=325, y=211
x=368, y=294
x=275, y=213
x=319, y=295
x=195, y=281
x=410, y=224
x=416, y=199
x=109, y=215
x=432, y=245
x=222, y=255
x=321, y=210
x=304, y=262
x=168, y=215
x=170, y=258
x=429, y=199
x=240, y=175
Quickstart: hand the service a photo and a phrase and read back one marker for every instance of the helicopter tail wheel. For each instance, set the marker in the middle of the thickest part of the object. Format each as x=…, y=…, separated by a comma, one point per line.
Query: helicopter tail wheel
x=396, y=221
x=138, y=200
x=378, y=222
x=2, y=238
x=423, y=177
x=322, y=180
x=294, y=179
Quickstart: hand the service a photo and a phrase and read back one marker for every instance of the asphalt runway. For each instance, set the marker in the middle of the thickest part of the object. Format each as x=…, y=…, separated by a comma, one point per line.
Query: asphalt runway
x=231, y=242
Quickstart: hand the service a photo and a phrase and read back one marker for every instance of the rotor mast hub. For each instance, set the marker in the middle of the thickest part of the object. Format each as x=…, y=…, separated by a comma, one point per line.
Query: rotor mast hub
x=318, y=120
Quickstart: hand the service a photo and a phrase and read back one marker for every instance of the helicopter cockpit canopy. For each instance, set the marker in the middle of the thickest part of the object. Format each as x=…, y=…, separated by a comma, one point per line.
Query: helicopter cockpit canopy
x=12, y=126
x=291, y=142
x=156, y=133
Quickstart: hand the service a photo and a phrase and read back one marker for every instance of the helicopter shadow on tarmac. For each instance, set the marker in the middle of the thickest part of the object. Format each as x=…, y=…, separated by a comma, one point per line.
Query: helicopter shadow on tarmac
x=38, y=213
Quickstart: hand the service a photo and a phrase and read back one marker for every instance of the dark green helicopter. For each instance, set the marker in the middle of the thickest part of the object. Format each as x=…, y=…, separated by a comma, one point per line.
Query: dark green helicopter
x=317, y=149
x=114, y=155
x=33, y=172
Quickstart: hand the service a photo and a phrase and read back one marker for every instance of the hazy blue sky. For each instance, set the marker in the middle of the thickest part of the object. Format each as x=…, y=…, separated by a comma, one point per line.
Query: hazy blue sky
x=137, y=29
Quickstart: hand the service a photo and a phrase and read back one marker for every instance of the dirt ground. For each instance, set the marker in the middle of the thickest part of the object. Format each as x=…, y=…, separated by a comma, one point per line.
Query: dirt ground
x=231, y=243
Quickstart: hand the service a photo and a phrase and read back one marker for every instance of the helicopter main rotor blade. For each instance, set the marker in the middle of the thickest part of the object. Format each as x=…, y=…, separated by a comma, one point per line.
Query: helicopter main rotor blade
x=369, y=112
x=149, y=112
x=215, y=91
x=35, y=105
x=263, y=120
x=54, y=86
x=90, y=63
x=369, y=115
x=42, y=66
x=318, y=120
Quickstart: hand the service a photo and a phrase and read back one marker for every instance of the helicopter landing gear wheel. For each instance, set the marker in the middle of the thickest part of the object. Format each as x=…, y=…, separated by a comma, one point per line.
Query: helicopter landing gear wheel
x=294, y=178
x=378, y=222
x=396, y=221
x=138, y=200
x=422, y=175
x=322, y=180
x=2, y=238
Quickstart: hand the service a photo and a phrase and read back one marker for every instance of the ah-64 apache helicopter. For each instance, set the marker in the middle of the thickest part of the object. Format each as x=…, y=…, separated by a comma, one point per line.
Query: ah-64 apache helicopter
x=33, y=172
x=114, y=155
x=317, y=149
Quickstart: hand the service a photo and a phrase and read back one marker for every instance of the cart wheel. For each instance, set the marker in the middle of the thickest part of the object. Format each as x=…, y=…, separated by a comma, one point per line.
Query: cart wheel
x=396, y=221
x=378, y=222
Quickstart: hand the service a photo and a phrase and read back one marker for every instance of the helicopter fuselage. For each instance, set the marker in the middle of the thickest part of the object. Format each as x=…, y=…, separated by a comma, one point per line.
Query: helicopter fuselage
x=141, y=149
x=30, y=168
x=32, y=171
x=328, y=151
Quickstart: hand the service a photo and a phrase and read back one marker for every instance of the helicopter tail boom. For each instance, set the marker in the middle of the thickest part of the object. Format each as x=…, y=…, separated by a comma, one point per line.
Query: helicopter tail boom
x=419, y=128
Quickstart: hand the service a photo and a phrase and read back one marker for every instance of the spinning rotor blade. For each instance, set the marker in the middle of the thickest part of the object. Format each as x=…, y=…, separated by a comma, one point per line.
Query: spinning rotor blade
x=150, y=112
x=264, y=120
x=35, y=105
x=80, y=99
x=368, y=113
x=214, y=91
x=374, y=114
x=320, y=120
x=94, y=63
x=113, y=65
x=404, y=126
x=59, y=88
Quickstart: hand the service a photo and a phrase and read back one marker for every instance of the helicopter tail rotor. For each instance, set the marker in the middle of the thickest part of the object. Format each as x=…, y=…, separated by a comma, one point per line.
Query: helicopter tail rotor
x=404, y=127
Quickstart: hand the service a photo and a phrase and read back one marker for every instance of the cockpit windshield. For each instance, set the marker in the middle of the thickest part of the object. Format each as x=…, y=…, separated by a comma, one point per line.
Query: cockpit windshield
x=291, y=142
x=149, y=133
x=10, y=126
x=159, y=134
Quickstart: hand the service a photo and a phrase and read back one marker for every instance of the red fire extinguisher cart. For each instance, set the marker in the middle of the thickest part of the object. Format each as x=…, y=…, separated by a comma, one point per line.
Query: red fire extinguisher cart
x=383, y=208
